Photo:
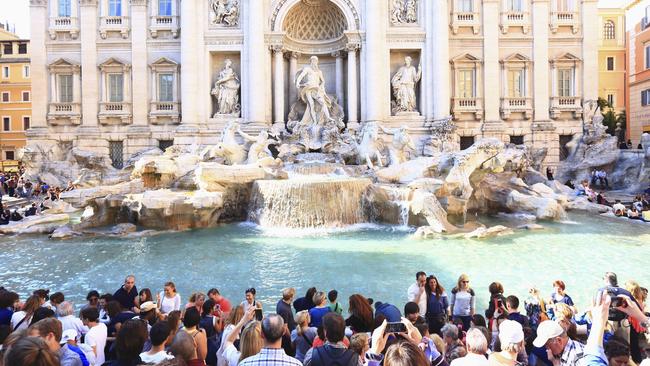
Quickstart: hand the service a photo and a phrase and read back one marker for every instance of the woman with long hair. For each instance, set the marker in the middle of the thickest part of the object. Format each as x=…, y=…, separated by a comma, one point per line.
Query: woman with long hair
x=250, y=343
x=361, y=319
x=196, y=300
x=168, y=300
x=405, y=353
x=496, y=311
x=302, y=338
x=191, y=326
x=129, y=342
x=463, y=302
x=22, y=318
x=235, y=316
x=174, y=321
x=31, y=351
x=145, y=295
x=437, y=305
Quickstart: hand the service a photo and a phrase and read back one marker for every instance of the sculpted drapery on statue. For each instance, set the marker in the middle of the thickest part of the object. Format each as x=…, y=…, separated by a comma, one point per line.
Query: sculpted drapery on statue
x=226, y=12
x=313, y=90
x=403, y=83
x=226, y=90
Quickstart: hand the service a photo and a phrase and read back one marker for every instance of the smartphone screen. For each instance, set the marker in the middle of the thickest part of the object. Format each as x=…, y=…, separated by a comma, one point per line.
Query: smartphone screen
x=258, y=314
x=395, y=327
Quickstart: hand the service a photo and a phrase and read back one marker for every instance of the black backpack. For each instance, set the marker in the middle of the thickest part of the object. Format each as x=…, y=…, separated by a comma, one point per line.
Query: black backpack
x=332, y=356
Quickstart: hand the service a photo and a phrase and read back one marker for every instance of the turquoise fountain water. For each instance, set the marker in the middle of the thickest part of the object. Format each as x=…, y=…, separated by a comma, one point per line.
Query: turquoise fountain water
x=377, y=261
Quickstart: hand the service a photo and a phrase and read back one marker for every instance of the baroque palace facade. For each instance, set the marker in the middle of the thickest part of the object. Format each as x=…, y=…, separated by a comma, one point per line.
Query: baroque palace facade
x=122, y=76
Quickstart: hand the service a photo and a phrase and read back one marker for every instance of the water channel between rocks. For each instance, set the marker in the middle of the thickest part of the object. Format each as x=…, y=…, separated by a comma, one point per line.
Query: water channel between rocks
x=377, y=261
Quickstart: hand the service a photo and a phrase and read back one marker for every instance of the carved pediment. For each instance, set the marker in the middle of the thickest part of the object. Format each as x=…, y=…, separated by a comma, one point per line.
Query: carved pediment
x=114, y=63
x=63, y=65
x=566, y=58
x=466, y=58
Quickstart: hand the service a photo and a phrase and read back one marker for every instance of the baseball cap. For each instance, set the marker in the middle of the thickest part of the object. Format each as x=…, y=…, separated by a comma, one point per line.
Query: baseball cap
x=147, y=306
x=546, y=330
x=68, y=335
x=510, y=331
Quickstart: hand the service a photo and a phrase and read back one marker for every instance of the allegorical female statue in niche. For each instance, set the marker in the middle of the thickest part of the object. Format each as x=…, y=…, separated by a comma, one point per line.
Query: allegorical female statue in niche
x=226, y=90
x=403, y=83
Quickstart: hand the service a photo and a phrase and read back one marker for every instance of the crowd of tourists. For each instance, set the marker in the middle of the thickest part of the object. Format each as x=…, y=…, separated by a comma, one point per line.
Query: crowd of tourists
x=436, y=327
x=639, y=209
x=14, y=184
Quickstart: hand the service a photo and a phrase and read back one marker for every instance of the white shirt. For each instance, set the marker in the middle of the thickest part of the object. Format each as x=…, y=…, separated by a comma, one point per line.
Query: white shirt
x=17, y=317
x=72, y=322
x=619, y=206
x=462, y=302
x=88, y=352
x=413, y=292
x=167, y=305
x=155, y=358
x=96, y=337
x=231, y=355
x=221, y=361
x=472, y=359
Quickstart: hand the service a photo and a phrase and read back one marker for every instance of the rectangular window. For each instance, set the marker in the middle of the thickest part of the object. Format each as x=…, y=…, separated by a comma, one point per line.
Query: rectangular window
x=165, y=7
x=165, y=87
x=645, y=97
x=6, y=123
x=564, y=5
x=164, y=144
x=466, y=83
x=27, y=121
x=26, y=71
x=515, y=6
x=5, y=72
x=115, y=88
x=65, y=88
x=610, y=63
x=610, y=100
x=9, y=155
x=647, y=57
x=65, y=8
x=115, y=8
x=115, y=149
x=517, y=140
x=5, y=97
x=564, y=150
x=25, y=96
x=465, y=6
x=516, y=83
x=22, y=48
x=466, y=142
x=565, y=81
x=8, y=48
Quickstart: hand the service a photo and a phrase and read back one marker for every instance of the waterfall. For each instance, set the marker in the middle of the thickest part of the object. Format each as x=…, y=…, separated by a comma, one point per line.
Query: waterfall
x=309, y=202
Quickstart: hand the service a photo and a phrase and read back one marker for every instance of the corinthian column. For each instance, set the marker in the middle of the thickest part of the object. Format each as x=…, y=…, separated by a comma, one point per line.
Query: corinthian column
x=255, y=55
x=353, y=119
x=293, y=68
x=441, y=84
x=278, y=84
x=339, y=76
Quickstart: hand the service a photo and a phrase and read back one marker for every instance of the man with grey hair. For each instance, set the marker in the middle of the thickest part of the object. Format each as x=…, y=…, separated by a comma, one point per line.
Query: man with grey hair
x=476, y=350
x=127, y=295
x=65, y=314
x=455, y=348
x=283, y=308
x=272, y=354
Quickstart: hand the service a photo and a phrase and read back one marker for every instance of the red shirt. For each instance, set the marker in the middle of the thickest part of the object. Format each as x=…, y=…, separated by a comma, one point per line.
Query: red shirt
x=319, y=342
x=224, y=305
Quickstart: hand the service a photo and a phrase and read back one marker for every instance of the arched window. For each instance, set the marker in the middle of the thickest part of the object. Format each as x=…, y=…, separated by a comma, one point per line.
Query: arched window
x=609, y=30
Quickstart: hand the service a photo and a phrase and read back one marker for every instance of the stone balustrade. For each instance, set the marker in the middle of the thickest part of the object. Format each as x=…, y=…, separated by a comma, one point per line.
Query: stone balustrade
x=64, y=113
x=467, y=105
x=114, y=24
x=565, y=18
x=465, y=19
x=160, y=23
x=63, y=25
x=516, y=105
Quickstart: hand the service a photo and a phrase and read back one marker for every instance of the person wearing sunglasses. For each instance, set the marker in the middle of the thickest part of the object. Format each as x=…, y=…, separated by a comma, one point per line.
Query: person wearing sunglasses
x=463, y=302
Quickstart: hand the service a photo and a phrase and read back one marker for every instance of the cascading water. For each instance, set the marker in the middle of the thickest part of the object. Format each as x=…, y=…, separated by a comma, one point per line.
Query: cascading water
x=309, y=202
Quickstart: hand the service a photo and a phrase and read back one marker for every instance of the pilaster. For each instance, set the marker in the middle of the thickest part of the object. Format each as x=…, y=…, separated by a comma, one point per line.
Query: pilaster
x=189, y=64
x=540, y=18
x=254, y=57
x=441, y=70
x=38, y=69
x=589, y=49
x=89, y=81
x=139, y=56
x=491, y=61
x=375, y=72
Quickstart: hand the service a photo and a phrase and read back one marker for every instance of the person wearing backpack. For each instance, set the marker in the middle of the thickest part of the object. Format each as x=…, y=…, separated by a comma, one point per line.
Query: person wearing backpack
x=334, y=352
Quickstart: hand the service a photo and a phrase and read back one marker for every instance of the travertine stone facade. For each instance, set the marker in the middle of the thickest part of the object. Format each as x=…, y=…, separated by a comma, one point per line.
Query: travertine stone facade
x=141, y=72
x=611, y=57
x=638, y=71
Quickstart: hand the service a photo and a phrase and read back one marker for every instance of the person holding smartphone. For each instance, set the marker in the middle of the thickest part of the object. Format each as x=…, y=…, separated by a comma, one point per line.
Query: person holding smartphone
x=250, y=300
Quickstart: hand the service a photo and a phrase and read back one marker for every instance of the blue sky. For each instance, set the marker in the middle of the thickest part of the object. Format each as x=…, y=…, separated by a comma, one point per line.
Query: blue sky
x=16, y=12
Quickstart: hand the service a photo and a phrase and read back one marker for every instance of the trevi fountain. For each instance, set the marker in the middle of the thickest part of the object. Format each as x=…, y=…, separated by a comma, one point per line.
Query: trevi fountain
x=316, y=202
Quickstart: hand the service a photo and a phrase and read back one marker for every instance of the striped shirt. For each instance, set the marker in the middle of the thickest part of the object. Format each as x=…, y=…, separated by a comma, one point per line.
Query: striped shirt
x=270, y=357
x=574, y=354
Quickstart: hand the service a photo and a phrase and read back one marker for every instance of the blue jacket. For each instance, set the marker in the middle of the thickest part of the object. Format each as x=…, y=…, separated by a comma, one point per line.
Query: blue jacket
x=389, y=311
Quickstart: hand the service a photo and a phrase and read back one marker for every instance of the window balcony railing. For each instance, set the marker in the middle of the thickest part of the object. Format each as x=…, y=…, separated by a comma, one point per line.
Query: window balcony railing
x=64, y=113
x=516, y=105
x=465, y=19
x=515, y=19
x=164, y=112
x=164, y=23
x=115, y=112
x=565, y=19
x=566, y=104
x=467, y=105
x=114, y=24
x=64, y=25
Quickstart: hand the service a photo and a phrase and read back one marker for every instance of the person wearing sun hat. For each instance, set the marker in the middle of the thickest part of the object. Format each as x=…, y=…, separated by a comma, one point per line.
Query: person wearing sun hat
x=561, y=350
x=511, y=336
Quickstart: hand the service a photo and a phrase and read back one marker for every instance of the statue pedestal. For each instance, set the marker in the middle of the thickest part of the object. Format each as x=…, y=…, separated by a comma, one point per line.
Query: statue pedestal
x=219, y=121
x=411, y=119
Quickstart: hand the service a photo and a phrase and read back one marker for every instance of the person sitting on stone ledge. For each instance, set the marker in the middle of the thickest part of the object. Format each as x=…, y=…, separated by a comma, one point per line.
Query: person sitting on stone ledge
x=601, y=199
x=633, y=213
x=31, y=211
x=619, y=208
x=15, y=216
x=5, y=217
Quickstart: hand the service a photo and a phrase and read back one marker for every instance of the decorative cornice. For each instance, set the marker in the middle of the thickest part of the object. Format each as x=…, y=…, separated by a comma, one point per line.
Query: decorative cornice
x=138, y=2
x=87, y=2
x=36, y=3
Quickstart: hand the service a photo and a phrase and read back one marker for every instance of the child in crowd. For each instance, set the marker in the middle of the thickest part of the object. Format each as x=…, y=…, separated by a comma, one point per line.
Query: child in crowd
x=332, y=296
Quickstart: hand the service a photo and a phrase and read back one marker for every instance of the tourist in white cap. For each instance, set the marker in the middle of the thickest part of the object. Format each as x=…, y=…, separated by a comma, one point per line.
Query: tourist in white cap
x=561, y=350
x=511, y=336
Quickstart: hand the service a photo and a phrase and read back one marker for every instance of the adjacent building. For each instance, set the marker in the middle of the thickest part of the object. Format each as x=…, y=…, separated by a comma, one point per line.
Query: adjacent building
x=638, y=61
x=612, y=76
x=15, y=93
x=121, y=76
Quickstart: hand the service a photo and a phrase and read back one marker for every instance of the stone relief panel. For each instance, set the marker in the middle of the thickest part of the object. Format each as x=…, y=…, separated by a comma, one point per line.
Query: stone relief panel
x=225, y=13
x=404, y=12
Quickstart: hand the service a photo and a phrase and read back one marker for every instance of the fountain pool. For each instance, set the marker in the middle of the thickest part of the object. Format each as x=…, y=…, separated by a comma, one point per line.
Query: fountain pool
x=378, y=261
